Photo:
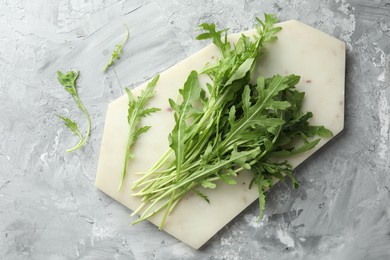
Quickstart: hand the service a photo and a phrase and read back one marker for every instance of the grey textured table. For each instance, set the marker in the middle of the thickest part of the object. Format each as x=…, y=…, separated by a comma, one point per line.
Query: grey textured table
x=49, y=206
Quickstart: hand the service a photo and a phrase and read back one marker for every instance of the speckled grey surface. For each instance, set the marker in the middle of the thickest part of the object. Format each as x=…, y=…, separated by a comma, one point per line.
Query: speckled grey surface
x=49, y=206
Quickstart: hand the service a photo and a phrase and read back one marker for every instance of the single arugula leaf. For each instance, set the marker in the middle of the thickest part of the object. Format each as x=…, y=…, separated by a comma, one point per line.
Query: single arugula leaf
x=216, y=36
x=301, y=149
x=190, y=94
x=263, y=185
x=200, y=194
x=241, y=71
x=72, y=125
x=323, y=132
x=68, y=80
x=136, y=111
x=117, y=52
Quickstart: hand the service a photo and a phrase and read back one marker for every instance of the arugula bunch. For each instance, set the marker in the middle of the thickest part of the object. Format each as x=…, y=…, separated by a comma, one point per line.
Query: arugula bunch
x=68, y=80
x=234, y=126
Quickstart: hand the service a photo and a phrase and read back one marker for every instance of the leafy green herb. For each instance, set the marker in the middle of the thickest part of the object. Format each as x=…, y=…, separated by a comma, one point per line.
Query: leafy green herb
x=236, y=125
x=136, y=111
x=68, y=80
x=191, y=94
x=72, y=125
x=117, y=52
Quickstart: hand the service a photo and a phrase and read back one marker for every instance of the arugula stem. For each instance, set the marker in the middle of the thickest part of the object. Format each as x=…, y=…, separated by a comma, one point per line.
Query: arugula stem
x=81, y=106
x=167, y=210
x=161, y=182
x=159, y=164
x=206, y=172
x=78, y=145
x=189, y=181
x=127, y=155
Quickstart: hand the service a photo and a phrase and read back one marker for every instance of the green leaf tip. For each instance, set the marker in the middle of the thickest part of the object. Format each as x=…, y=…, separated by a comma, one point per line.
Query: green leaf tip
x=117, y=52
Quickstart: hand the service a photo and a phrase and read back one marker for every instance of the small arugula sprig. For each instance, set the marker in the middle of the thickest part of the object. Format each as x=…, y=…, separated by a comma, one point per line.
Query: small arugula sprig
x=136, y=111
x=68, y=80
x=117, y=52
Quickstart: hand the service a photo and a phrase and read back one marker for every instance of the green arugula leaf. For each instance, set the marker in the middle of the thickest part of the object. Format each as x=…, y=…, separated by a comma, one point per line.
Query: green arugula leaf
x=117, y=52
x=190, y=94
x=241, y=71
x=262, y=185
x=68, y=80
x=136, y=111
x=216, y=36
x=200, y=194
x=72, y=125
x=301, y=149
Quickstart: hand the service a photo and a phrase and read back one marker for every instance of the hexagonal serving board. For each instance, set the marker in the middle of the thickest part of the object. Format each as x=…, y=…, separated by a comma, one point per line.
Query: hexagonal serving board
x=300, y=49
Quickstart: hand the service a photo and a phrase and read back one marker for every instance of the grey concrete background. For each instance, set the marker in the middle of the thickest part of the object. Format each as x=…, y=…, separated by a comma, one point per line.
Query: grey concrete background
x=49, y=206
